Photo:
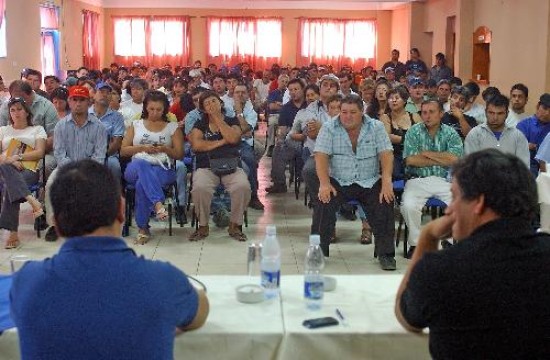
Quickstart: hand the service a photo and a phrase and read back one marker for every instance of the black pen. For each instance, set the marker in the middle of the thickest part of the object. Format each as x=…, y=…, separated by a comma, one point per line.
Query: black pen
x=341, y=317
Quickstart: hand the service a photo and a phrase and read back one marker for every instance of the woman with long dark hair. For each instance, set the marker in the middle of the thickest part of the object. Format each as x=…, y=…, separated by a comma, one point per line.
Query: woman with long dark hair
x=154, y=144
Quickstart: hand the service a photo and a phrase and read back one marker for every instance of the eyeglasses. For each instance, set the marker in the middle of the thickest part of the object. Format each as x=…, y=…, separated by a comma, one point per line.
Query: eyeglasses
x=14, y=100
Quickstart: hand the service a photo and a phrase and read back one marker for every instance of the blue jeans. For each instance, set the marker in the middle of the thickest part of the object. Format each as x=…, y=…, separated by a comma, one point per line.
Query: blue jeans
x=148, y=180
x=113, y=163
x=247, y=157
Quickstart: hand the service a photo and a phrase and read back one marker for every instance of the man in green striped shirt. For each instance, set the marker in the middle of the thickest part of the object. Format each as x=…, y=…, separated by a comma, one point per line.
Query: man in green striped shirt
x=430, y=149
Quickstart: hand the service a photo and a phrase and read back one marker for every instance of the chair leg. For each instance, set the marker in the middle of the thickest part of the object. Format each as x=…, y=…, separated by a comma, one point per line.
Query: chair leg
x=245, y=218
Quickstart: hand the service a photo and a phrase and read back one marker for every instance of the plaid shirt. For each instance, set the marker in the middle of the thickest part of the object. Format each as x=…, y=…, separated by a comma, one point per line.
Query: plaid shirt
x=418, y=140
x=361, y=167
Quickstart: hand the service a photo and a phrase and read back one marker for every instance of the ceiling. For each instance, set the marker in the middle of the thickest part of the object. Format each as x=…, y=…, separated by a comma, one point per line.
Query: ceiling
x=255, y=4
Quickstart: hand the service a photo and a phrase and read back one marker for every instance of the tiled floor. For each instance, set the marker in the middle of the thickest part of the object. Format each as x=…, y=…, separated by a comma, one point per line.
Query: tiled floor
x=220, y=254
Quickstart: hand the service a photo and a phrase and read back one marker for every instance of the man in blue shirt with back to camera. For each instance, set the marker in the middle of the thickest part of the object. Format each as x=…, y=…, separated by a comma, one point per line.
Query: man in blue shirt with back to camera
x=96, y=299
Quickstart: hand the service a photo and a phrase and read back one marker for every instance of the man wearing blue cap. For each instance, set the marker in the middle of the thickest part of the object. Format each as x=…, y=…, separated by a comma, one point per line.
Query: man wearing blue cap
x=113, y=122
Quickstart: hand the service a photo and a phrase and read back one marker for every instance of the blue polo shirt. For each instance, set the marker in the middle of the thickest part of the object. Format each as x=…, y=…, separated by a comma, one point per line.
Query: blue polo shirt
x=535, y=131
x=113, y=122
x=275, y=96
x=288, y=113
x=96, y=299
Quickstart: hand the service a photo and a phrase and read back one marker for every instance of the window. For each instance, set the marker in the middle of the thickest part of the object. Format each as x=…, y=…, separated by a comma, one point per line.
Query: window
x=49, y=23
x=337, y=42
x=3, y=49
x=154, y=41
x=234, y=40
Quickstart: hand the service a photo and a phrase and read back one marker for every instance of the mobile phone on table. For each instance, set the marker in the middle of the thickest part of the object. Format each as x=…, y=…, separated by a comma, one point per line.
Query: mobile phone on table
x=320, y=322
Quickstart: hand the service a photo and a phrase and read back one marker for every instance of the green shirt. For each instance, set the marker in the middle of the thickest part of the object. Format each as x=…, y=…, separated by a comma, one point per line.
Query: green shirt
x=418, y=139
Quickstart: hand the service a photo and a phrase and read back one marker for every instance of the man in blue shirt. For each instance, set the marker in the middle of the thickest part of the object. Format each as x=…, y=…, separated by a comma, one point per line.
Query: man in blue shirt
x=114, y=124
x=274, y=105
x=287, y=149
x=351, y=152
x=77, y=136
x=535, y=129
x=96, y=299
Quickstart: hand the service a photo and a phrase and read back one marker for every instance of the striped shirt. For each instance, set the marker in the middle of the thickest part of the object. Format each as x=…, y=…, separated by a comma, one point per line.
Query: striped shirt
x=418, y=139
x=73, y=143
x=361, y=167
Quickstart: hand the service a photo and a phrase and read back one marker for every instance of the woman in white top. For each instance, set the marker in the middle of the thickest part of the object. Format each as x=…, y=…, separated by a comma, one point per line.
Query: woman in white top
x=154, y=144
x=23, y=145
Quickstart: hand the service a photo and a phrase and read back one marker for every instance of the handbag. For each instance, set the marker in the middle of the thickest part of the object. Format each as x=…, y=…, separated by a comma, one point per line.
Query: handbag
x=224, y=166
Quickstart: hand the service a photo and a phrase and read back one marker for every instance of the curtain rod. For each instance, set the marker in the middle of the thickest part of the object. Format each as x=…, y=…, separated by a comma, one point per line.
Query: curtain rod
x=338, y=19
x=242, y=17
x=151, y=16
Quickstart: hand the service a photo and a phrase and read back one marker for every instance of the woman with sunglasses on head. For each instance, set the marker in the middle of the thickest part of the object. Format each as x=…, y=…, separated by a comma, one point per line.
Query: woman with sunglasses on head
x=215, y=139
x=22, y=145
x=153, y=143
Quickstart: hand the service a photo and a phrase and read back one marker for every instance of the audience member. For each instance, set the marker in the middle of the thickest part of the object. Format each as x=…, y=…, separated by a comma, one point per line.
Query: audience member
x=23, y=145
x=444, y=93
x=379, y=104
x=60, y=101
x=34, y=79
x=132, y=109
x=440, y=70
x=51, y=83
x=114, y=124
x=415, y=66
x=535, y=128
x=472, y=108
x=63, y=306
x=519, y=94
x=397, y=122
x=417, y=90
x=344, y=174
x=496, y=134
x=217, y=137
x=77, y=136
x=274, y=105
x=494, y=275
x=398, y=66
x=456, y=117
x=430, y=148
x=366, y=88
x=153, y=143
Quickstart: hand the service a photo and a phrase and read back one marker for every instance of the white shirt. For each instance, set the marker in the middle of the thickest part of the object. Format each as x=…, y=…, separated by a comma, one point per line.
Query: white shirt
x=514, y=118
x=262, y=90
x=27, y=135
x=130, y=111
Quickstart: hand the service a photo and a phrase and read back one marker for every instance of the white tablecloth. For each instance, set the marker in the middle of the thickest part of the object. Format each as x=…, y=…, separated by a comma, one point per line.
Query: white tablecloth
x=273, y=329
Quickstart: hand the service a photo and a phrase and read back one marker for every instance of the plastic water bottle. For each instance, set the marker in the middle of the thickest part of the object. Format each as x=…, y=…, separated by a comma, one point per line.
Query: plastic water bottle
x=270, y=264
x=313, y=276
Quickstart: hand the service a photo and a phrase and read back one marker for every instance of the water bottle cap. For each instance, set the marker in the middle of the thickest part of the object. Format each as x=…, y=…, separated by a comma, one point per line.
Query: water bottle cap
x=314, y=239
x=271, y=230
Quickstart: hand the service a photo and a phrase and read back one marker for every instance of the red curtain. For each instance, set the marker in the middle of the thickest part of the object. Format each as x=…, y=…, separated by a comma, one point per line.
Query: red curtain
x=256, y=41
x=90, y=40
x=336, y=42
x=153, y=41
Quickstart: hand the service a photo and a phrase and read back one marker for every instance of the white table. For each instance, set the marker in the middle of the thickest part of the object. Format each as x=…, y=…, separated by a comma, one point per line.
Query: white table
x=273, y=329
x=543, y=187
x=371, y=330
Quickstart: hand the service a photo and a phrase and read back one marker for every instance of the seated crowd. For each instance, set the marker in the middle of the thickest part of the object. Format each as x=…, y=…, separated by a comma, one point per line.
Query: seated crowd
x=361, y=141
x=153, y=126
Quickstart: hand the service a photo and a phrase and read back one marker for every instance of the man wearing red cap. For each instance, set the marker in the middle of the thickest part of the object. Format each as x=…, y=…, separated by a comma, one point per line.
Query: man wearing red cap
x=78, y=136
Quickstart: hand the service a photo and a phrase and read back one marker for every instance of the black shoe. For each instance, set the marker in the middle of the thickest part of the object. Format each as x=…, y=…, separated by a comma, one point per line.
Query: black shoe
x=255, y=204
x=410, y=252
x=276, y=189
x=181, y=217
x=51, y=235
x=387, y=263
x=40, y=223
x=347, y=213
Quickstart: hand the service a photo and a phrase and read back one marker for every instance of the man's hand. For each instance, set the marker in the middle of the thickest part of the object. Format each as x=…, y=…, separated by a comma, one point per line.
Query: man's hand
x=438, y=229
x=386, y=192
x=18, y=165
x=325, y=192
x=313, y=128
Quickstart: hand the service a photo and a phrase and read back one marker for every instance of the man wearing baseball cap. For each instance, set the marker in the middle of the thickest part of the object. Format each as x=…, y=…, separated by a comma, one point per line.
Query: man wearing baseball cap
x=113, y=122
x=77, y=136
